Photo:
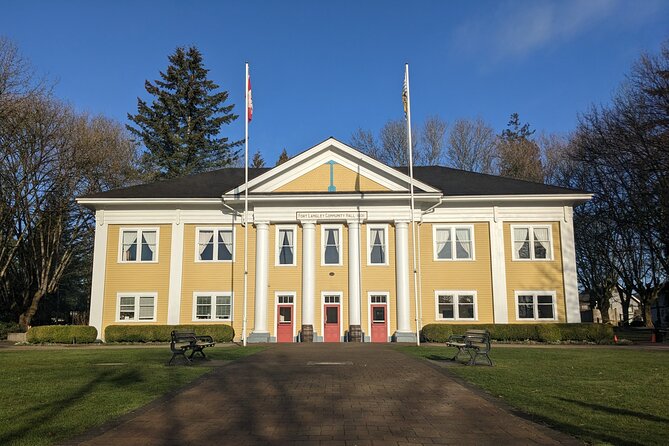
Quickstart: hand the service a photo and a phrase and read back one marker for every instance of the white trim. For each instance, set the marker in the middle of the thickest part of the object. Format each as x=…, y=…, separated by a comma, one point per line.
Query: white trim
x=535, y=293
x=530, y=228
x=569, y=275
x=369, y=312
x=277, y=246
x=98, y=276
x=386, y=249
x=456, y=301
x=136, y=295
x=276, y=313
x=498, y=270
x=339, y=304
x=212, y=305
x=340, y=228
x=139, y=230
x=215, y=229
x=176, y=271
x=452, y=228
x=331, y=143
x=261, y=277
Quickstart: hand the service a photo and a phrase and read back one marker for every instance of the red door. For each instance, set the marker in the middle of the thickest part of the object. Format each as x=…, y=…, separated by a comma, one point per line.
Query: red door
x=379, y=324
x=331, y=325
x=284, y=323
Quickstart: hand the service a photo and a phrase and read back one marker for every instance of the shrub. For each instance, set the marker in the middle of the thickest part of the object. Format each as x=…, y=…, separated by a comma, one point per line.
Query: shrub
x=547, y=332
x=62, y=334
x=9, y=327
x=163, y=333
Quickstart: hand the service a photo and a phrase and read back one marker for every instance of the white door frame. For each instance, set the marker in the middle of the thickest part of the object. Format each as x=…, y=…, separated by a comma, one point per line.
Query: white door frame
x=341, y=325
x=276, y=312
x=369, y=312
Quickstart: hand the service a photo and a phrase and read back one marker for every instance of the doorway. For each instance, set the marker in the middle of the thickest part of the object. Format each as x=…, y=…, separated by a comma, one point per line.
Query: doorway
x=331, y=317
x=378, y=312
x=285, y=318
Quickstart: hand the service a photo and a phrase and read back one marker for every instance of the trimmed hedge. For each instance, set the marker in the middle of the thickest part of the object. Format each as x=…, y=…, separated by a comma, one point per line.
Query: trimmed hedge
x=62, y=334
x=548, y=332
x=163, y=333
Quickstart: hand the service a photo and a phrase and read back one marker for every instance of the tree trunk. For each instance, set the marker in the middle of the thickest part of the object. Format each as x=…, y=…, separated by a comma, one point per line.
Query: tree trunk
x=647, y=315
x=26, y=317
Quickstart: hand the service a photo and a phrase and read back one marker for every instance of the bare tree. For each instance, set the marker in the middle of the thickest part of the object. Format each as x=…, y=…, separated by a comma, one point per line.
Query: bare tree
x=519, y=156
x=433, y=140
x=391, y=147
x=471, y=146
x=365, y=141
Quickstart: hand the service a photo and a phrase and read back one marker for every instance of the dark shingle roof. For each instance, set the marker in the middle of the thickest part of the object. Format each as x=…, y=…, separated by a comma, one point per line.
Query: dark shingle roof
x=452, y=182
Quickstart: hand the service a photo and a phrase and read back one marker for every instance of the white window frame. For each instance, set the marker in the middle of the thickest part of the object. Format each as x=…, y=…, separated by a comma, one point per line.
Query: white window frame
x=215, y=253
x=535, y=302
x=276, y=311
x=456, y=301
x=452, y=228
x=341, y=315
x=139, y=231
x=136, y=296
x=369, y=311
x=212, y=305
x=369, y=243
x=277, y=245
x=340, y=228
x=549, y=256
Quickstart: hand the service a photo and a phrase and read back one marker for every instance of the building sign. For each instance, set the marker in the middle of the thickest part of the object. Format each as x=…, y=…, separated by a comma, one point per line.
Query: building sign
x=325, y=215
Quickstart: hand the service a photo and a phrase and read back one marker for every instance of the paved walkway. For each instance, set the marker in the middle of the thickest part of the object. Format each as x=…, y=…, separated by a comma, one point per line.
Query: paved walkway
x=340, y=394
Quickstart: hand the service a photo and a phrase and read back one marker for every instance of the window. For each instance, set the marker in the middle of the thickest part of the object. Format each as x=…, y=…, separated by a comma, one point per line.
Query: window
x=213, y=306
x=377, y=237
x=331, y=298
x=136, y=307
x=285, y=299
x=378, y=298
x=535, y=305
x=531, y=242
x=456, y=305
x=453, y=242
x=214, y=245
x=331, y=245
x=285, y=245
x=139, y=245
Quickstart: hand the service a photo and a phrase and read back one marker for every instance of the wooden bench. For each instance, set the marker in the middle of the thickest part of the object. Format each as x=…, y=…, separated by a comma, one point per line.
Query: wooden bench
x=185, y=341
x=475, y=343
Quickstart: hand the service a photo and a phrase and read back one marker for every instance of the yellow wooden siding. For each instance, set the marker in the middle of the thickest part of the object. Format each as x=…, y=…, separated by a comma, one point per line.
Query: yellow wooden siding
x=378, y=278
x=335, y=282
x=136, y=277
x=456, y=275
x=218, y=277
x=345, y=180
x=284, y=278
x=536, y=275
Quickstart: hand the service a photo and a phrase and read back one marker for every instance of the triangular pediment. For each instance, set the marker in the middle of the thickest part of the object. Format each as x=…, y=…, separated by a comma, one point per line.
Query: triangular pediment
x=328, y=167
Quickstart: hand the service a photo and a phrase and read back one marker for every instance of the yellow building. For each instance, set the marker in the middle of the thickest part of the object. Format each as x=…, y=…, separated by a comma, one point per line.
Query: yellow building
x=331, y=250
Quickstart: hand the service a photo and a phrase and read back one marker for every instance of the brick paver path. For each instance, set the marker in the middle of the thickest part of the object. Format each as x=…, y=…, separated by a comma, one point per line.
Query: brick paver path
x=298, y=394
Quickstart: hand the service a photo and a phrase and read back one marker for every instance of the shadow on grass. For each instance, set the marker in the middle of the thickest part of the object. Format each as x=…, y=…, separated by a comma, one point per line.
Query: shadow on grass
x=44, y=414
x=617, y=410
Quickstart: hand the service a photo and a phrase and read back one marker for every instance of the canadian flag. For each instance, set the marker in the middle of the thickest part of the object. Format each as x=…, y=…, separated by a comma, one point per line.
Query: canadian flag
x=249, y=97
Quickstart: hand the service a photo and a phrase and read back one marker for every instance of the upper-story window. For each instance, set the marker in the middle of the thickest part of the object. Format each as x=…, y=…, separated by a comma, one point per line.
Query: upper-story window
x=377, y=236
x=139, y=245
x=331, y=245
x=532, y=242
x=285, y=245
x=453, y=243
x=214, y=244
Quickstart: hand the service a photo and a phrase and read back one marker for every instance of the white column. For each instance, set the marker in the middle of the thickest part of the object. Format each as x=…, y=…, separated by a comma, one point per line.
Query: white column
x=176, y=268
x=498, y=265
x=308, y=271
x=402, y=278
x=98, y=279
x=354, y=272
x=260, y=333
x=573, y=311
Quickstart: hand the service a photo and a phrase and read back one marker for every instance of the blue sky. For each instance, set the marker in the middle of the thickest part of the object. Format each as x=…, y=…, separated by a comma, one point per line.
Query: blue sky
x=324, y=69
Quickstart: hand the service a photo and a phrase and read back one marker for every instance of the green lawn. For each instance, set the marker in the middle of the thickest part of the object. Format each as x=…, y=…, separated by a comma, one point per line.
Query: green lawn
x=47, y=396
x=602, y=396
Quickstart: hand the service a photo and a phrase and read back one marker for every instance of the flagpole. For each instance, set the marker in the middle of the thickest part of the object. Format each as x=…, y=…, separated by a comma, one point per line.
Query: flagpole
x=413, y=221
x=246, y=201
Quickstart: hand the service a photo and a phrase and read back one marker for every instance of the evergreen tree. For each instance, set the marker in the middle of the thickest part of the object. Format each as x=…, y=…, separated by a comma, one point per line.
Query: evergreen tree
x=180, y=129
x=257, y=160
x=283, y=157
x=519, y=156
